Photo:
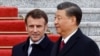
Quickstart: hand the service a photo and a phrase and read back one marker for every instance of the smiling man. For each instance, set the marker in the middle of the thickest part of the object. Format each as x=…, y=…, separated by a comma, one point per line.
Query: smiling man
x=37, y=43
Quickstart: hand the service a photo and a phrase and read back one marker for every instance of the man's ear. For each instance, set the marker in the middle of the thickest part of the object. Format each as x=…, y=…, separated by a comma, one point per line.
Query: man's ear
x=73, y=19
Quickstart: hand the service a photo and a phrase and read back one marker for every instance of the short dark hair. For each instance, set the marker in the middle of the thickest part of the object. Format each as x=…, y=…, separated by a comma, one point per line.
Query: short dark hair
x=36, y=14
x=72, y=9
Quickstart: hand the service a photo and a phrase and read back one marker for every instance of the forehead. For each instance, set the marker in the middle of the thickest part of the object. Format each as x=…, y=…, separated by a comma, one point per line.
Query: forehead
x=31, y=20
x=60, y=13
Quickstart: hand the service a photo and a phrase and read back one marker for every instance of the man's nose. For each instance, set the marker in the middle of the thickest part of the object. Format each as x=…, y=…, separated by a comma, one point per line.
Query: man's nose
x=35, y=29
x=55, y=21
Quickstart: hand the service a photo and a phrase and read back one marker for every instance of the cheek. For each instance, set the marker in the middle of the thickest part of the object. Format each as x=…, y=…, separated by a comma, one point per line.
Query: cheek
x=29, y=30
x=42, y=30
x=62, y=23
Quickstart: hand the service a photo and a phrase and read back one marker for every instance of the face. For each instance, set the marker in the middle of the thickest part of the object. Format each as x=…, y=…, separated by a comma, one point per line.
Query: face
x=36, y=28
x=63, y=23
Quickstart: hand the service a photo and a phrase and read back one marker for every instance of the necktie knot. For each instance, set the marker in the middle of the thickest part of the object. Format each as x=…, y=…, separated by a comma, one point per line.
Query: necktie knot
x=33, y=45
x=33, y=51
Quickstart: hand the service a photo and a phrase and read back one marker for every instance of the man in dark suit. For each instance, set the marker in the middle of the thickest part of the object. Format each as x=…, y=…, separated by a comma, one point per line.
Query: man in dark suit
x=37, y=43
x=72, y=42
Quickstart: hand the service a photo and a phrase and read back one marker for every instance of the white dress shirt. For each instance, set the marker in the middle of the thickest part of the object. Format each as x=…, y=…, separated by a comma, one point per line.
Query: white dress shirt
x=68, y=37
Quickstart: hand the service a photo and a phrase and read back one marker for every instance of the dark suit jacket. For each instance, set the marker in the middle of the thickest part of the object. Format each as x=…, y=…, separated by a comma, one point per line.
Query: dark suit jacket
x=77, y=45
x=44, y=48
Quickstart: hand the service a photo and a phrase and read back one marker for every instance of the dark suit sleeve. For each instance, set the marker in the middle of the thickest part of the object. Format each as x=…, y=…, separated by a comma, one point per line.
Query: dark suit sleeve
x=92, y=49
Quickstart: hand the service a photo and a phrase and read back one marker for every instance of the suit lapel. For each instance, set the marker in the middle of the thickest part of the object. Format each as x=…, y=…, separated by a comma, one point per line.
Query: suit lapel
x=44, y=43
x=25, y=47
x=71, y=42
x=55, y=49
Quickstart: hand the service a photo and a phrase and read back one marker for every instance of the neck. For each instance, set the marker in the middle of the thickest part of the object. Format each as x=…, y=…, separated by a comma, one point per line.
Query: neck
x=67, y=33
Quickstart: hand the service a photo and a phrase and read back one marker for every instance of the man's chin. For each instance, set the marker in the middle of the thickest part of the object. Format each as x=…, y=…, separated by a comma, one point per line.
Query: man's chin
x=58, y=32
x=35, y=38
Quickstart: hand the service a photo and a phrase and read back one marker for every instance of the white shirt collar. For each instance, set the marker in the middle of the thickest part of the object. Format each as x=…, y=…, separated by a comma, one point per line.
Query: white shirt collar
x=68, y=37
x=31, y=42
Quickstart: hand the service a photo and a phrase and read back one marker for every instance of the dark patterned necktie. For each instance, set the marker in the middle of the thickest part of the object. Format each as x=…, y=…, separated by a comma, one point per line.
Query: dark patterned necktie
x=61, y=45
x=33, y=52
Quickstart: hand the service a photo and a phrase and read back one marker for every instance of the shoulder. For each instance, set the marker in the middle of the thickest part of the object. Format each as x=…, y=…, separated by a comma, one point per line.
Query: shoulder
x=86, y=39
x=88, y=42
x=48, y=41
x=91, y=46
x=83, y=38
x=18, y=46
